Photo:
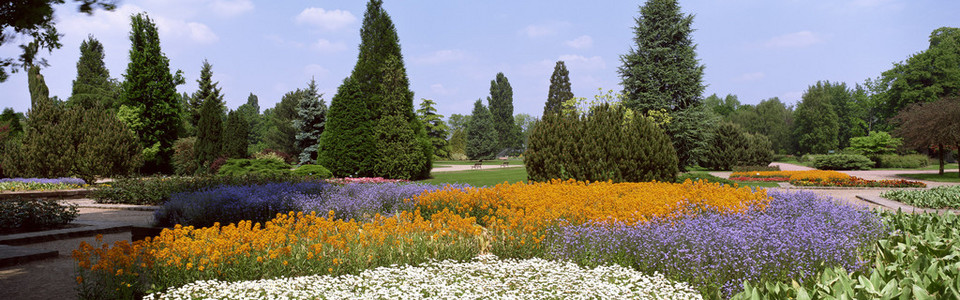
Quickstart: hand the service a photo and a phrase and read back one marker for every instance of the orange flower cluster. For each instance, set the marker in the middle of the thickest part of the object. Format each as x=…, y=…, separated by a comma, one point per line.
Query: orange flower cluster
x=521, y=213
x=789, y=175
x=289, y=245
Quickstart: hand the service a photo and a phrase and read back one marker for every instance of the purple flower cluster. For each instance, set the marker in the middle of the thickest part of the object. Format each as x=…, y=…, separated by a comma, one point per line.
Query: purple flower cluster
x=230, y=203
x=62, y=180
x=260, y=203
x=794, y=237
x=363, y=201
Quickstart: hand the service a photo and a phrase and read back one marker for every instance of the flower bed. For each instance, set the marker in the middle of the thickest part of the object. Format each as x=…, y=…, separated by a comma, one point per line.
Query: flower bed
x=938, y=197
x=40, y=184
x=485, y=277
x=821, y=178
x=791, y=239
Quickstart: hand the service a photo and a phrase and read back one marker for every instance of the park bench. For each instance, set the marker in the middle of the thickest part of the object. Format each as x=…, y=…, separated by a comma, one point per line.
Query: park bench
x=505, y=164
x=477, y=165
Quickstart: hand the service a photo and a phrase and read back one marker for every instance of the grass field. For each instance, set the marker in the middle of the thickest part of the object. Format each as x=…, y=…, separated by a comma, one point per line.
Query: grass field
x=487, y=177
x=946, y=177
x=486, y=162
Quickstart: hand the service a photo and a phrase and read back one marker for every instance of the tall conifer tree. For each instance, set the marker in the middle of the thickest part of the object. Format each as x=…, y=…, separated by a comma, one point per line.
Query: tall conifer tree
x=150, y=92
x=481, y=134
x=347, y=140
x=205, y=90
x=93, y=87
x=400, y=153
x=210, y=131
x=662, y=72
x=501, y=109
x=310, y=121
x=560, y=90
x=235, y=135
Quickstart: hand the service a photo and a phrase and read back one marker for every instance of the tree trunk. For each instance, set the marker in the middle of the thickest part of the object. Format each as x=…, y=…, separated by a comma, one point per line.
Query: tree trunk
x=942, y=158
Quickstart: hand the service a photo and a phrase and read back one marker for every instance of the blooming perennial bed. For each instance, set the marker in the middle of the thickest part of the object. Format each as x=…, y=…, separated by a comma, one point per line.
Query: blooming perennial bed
x=565, y=220
x=485, y=277
x=938, y=197
x=821, y=178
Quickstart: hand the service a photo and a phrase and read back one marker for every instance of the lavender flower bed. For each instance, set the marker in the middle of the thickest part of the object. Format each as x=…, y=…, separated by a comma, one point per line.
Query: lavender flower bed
x=259, y=203
x=795, y=237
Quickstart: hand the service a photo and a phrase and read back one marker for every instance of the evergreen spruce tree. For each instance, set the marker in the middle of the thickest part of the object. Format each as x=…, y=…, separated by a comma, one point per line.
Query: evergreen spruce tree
x=661, y=72
x=93, y=87
x=235, y=135
x=150, y=94
x=400, y=153
x=311, y=118
x=501, y=108
x=436, y=128
x=481, y=133
x=206, y=89
x=728, y=147
x=378, y=41
x=251, y=114
x=210, y=131
x=281, y=135
x=347, y=140
x=560, y=90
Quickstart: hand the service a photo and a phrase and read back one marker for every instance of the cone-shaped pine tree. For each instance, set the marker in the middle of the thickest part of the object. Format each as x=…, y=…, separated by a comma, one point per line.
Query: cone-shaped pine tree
x=401, y=155
x=235, y=135
x=150, y=90
x=311, y=117
x=347, y=140
x=662, y=72
x=209, y=145
x=560, y=90
x=92, y=88
x=205, y=90
x=378, y=41
x=481, y=134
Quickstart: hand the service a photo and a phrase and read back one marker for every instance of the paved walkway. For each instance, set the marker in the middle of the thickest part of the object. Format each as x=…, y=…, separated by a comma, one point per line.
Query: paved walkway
x=452, y=168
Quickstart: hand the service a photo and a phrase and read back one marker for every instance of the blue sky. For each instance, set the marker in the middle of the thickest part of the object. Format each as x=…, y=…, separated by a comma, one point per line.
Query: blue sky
x=755, y=49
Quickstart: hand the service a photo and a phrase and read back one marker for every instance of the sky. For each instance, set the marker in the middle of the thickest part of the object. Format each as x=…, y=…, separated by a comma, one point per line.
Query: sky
x=755, y=49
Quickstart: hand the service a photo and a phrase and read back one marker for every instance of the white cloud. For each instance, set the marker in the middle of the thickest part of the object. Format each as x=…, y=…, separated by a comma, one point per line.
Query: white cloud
x=579, y=61
x=279, y=41
x=441, y=56
x=750, y=76
x=197, y=32
x=327, y=20
x=794, y=40
x=791, y=97
x=584, y=41
x=439, y=89
x=542, y=30
x=231, y=8
x=327, y=46
x=316, y=70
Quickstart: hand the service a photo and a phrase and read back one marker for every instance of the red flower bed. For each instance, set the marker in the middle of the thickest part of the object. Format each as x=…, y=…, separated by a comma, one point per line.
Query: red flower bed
x=760, y=178
x=854, y=181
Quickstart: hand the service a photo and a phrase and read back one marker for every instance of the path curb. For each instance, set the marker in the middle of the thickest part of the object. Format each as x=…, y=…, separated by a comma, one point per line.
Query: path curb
x=60, y=234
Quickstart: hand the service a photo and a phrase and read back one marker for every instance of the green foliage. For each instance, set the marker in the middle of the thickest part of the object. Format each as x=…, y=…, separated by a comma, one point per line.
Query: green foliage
x=458, y=143
x=938, y=197
x=917, y=261
x=437, y=130
x=93, y=87
x=704, y=176
x=458, y=121
x=755, y=168
x=482, y=142
x=599, y=146
x=661, y=71
x=688, y=132
x=843, y=162
x=727, y=147
x=34, y=214
x=210, y=129
x=876, y=144
x=400, y=154
x=771, y=118
x=815, y=122
x=347, y=142
x=560, y=90
x=722, y=107
x=235, y=135
x=251, y=114
x=35, y=21
x=157, y=190
x=911, y=161
x=378, y=42
x=241, y=167
x=184, y=157
x=12, y=119
x=924, y=77
x=207, y=89
x=525, y=122
x=759, y=151
x=311, y=118
x=282, y=135
x=71, y=142
x=150, y=90
x=315, y=171
x=931, y=125
x=500, y=103
x=38, y=87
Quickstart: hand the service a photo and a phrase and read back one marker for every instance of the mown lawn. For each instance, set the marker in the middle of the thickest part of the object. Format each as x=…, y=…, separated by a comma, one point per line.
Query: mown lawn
x=946, y=177
x=486, y=162
x=483, y=177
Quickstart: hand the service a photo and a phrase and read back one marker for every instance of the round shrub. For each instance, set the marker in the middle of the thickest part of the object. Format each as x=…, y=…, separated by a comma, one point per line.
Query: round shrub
x=842, y=162
x=240, y=167
x=911, y=161
x=604, y=144
x=34, y=214
x=184, y=157
x=317, y=171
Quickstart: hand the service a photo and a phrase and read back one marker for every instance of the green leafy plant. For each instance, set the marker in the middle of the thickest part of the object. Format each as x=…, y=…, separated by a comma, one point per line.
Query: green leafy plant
x=911, y=161
x=240, y=167
x=938, y=197
x=316, y=171
x=29, y=214
x=843, y=162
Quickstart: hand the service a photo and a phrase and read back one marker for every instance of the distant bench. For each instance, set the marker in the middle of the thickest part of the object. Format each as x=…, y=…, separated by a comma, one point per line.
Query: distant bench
x=505, y=164
x=477, y=165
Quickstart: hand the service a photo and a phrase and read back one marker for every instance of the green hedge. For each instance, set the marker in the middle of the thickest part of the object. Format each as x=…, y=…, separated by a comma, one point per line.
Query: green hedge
x=34, y=214
x=842, y=162
x=316, y=171
x=241, y=167
x=912, y=161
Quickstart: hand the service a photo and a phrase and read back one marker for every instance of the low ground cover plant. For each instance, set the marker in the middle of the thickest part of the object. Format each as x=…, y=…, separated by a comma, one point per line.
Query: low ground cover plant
x=40, y=184
x=30, y=214
x=481, y=278
x=918, y=260
x=938, y=197
x=791, y=238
